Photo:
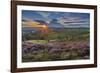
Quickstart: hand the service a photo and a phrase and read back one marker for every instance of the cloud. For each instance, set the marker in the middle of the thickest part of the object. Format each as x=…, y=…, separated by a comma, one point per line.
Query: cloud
x=45, y=15
x=24, y=19
x=65, y=19
x=30, y=24
x=73, y=21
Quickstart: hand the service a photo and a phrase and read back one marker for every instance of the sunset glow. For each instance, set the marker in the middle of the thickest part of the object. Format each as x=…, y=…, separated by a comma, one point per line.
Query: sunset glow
x=44, y=26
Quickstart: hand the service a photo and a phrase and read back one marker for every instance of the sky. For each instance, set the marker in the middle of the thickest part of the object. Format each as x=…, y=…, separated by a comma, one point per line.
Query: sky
x=55, y=19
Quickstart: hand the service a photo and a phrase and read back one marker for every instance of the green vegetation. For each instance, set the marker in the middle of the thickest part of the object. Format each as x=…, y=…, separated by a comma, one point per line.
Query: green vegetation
x=67, y=34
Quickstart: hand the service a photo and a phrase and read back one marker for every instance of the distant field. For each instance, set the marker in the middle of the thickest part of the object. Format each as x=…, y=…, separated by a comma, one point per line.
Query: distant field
x=38, y=41
x=68, y=34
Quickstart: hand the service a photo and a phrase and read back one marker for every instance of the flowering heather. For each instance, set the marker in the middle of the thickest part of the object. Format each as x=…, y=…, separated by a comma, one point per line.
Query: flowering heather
x=56, y=51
